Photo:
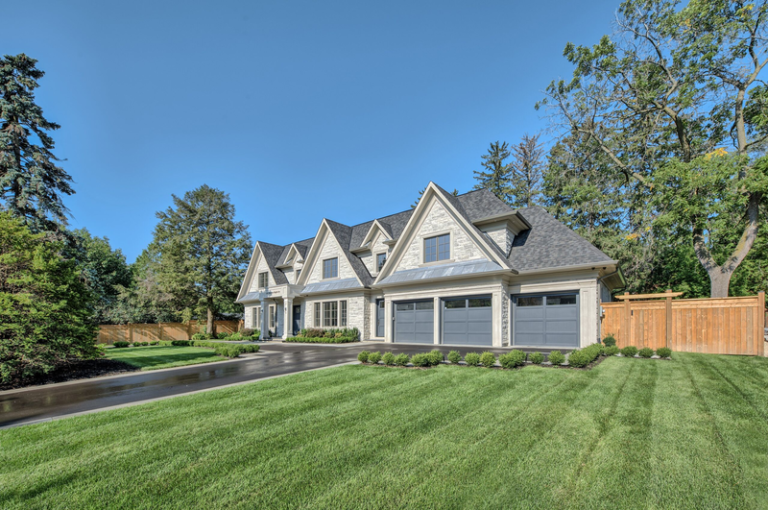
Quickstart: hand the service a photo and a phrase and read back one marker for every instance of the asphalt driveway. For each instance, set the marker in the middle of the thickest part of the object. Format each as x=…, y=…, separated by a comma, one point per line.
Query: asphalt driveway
x=41, y=403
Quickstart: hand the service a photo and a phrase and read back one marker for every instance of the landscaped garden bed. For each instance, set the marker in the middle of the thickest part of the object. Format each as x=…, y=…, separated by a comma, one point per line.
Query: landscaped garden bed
x=579, y=359
x=326, y=336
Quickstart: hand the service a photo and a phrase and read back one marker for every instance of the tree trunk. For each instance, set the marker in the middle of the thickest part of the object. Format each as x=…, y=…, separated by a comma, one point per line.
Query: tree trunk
x=720, y=280
x=211, y=327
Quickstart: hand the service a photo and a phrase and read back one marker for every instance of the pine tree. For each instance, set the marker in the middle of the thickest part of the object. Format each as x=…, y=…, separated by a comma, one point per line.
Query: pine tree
x=203, y=252
x=496, y=177
x=31, y=183
x=526, y=174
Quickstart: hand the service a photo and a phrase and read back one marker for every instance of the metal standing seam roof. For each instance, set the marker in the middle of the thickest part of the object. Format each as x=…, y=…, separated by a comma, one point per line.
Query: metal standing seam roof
x=548, y=244
x=469, y=267
x=328, y=286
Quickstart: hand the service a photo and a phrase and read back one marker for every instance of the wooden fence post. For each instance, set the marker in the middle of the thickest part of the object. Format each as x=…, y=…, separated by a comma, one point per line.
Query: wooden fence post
x=628, y=320
x=761, y=322
x=669, y=317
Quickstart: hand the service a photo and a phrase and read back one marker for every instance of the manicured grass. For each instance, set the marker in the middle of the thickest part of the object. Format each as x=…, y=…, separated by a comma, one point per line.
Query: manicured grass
x=154, y=358
x=686, y=433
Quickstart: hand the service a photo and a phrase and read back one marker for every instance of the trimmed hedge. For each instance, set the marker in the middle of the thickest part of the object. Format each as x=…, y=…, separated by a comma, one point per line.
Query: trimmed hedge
x=472, y=359
x=121, y=344
x=664, y=352
x=420, y=360
x=229, y=350
x=435, y=357
x=536, y=358
x=629, y=351
x=611, y=350
x=512, y=359
x=388, y=359
x=321, y=340
x=374, y=357
x=362, y=356
x=330, y=333
x=609, y=341
x=556, y=358
x=401, y=360
x=454, y=357
x=646, y=352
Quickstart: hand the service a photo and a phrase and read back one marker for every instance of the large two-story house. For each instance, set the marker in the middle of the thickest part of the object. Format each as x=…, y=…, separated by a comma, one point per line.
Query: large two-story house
x=461, y=270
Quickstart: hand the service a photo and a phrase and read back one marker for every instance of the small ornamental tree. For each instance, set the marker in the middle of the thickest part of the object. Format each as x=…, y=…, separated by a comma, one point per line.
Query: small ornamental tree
x=45, y=306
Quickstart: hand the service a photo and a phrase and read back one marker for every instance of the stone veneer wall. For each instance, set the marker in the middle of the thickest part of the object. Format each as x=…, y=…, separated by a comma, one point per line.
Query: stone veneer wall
x=439, y=221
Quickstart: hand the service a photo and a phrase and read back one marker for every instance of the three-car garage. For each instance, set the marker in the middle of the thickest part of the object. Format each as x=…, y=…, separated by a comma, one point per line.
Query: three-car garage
x=463, y=321
x=548, y=320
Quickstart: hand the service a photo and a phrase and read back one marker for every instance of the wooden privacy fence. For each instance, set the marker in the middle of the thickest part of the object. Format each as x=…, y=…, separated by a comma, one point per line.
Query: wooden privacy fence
x=733, y=325
x=109, y=334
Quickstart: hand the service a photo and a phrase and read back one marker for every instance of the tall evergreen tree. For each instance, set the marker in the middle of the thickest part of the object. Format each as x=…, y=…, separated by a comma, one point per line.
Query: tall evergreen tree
x=31, y=183
x=203, y=252
x=496, y=176
x=527, y=172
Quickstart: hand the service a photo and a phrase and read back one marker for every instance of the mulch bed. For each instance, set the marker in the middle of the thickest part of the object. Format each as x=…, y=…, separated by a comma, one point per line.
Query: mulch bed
x=74, y=369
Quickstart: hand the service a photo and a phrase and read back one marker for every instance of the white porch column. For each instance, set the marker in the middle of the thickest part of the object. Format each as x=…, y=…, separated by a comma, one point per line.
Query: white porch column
x=263, y=326
x=287, y=317
x=389, y=322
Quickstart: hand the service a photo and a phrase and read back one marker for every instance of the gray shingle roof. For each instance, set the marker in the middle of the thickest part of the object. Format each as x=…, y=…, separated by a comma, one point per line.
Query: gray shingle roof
x=550, y=244
x=272, y=254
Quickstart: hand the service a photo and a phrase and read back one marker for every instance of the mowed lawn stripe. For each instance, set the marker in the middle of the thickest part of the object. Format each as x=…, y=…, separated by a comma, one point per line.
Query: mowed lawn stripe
x=446, y=450
x=743, y=429
x=688, y=463
x=627, y=434
x=407, y=420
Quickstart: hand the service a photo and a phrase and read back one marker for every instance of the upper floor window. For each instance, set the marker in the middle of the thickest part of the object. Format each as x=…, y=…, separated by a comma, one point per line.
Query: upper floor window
x=298, y=274
x=331, y=268
x=263, y=280
x=380, y=259
x=437, y=248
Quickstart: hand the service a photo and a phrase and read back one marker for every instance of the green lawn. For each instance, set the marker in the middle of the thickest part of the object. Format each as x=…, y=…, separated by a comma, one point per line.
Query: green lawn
x=687, y=433
x=154, y=358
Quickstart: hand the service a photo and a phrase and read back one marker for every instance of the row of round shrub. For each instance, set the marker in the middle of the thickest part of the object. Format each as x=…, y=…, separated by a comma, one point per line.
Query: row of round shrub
x=512, y=359
x=245, y=334
x=646, y=352
x=121, y=344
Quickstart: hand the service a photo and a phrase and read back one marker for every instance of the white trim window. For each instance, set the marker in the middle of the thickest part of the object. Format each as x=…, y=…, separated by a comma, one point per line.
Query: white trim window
x=437, y=248
x=263, y=280
x=331, y=268
x=318, y=316
x=381, y=258
x=343, y=313
x=330, y=314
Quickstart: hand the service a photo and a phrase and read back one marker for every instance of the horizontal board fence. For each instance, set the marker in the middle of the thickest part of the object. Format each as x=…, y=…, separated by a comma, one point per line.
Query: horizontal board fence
x=733, y=325
x=109, y=334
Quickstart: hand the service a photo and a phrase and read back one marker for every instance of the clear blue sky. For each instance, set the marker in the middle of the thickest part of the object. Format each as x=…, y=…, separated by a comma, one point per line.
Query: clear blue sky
x=298, y=110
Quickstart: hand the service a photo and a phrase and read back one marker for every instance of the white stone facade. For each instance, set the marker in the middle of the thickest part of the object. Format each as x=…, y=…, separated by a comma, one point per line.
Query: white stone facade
x=439, y=221
x=330, y=249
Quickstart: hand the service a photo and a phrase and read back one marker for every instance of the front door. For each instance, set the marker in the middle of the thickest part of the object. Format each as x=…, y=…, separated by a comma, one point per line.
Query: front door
x=296, y=319
x=380, y=318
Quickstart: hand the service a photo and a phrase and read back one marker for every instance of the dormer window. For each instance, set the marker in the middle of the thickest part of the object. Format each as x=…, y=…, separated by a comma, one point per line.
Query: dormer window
x=331, y=268
x=289, y=261
x=437, y=248
x=381, y=258
x=263, y=280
